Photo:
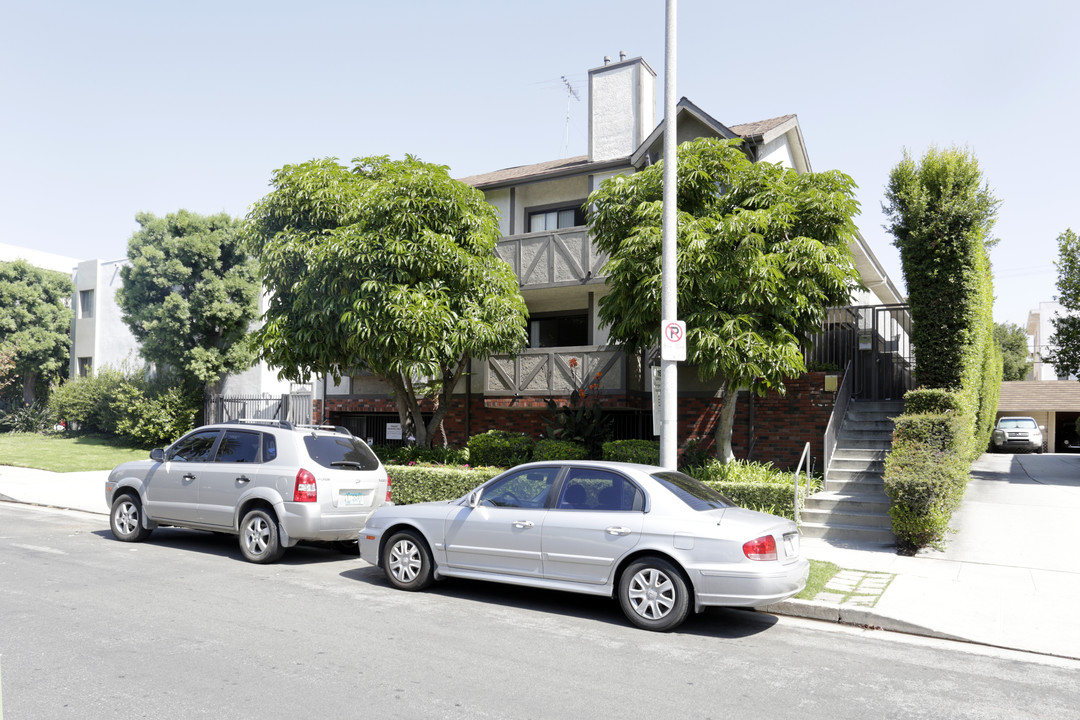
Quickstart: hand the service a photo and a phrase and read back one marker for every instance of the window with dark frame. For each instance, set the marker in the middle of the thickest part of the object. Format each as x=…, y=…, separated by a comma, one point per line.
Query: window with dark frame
x=555, y=218
x=566, y=330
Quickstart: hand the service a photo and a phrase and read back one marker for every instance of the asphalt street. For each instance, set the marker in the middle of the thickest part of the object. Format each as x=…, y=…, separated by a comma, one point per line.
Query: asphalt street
x=181, y=626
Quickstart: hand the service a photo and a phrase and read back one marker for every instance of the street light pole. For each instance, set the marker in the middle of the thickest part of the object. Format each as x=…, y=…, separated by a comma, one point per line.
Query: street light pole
x=669, y=379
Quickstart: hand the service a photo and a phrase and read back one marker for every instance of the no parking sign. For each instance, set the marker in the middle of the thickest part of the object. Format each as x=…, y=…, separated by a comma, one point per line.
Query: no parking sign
x=673, y=340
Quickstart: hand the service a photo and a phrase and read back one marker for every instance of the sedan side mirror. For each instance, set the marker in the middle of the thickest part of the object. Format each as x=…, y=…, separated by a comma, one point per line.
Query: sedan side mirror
x=1043, y=428
x=473, y=499
x=157, y=455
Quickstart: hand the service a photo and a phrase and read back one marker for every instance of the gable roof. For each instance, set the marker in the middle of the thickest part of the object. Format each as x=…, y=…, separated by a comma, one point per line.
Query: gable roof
x=755, y=133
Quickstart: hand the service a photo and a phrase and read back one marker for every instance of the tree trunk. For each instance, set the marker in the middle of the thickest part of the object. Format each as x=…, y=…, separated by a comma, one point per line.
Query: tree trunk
x=726, y=423
x=29, y=386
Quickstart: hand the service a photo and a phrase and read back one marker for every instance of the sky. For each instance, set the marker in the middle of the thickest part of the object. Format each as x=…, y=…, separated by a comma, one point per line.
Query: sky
x=116, y=107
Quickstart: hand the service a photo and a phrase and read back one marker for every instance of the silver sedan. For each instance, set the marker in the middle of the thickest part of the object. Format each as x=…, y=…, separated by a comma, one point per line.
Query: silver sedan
x=658, y=540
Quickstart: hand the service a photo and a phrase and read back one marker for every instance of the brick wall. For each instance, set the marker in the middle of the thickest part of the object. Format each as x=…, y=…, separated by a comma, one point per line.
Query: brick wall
x=781, y=425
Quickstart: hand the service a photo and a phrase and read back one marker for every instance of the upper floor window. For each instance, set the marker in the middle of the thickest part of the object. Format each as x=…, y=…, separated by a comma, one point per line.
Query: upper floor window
x=86, y=303
x=564, y=330
x=555, y=218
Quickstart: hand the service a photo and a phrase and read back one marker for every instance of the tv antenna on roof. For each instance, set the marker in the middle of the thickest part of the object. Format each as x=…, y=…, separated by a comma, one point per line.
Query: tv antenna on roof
x=571, y=94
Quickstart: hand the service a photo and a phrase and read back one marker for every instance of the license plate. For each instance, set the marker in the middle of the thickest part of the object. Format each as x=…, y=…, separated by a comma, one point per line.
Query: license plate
x=353, y=497
x=791, y=544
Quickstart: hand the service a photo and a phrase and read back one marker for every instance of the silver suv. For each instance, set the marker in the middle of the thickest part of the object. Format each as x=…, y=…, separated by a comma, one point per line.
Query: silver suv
x=269, y=482
x=1017, y=433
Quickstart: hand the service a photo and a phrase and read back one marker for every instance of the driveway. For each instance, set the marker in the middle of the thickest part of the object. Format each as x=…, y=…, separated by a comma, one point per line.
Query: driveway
x=1019, y=511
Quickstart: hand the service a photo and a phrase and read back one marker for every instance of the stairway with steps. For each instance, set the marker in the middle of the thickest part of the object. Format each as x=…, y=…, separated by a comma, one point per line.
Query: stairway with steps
x=853, y=506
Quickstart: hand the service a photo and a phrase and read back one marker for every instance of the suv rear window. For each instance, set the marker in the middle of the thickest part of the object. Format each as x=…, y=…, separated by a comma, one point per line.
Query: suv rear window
x=691, y=491
x=340, y=452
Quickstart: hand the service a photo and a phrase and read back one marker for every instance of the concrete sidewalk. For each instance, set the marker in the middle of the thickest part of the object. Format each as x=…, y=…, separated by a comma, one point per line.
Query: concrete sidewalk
x=1009, y=578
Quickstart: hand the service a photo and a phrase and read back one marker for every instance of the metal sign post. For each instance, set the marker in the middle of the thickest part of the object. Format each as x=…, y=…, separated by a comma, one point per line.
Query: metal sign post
x=669, y=396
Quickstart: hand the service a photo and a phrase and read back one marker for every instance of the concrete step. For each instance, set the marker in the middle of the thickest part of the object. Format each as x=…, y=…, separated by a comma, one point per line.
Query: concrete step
x=855, y=533
x=846, y=434
x=861, y=486
x=851, y=443
x=843, y=453
x=871, y=423
x=859, y=464
x=885, y=407
x=833, y=518
x=857, y=475
x=849, y=503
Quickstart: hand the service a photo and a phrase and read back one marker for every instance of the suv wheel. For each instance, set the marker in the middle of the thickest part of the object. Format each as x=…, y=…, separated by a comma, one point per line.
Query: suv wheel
x=125, y=519
x=259, y=538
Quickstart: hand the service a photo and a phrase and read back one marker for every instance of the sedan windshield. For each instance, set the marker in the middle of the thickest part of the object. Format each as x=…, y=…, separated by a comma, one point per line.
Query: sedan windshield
x=694, y=493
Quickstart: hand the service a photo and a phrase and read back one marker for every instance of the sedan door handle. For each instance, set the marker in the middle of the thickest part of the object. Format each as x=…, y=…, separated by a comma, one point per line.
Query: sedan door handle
x=242, y=479
x=189, y=476
x=614, y=530
x=523, y=524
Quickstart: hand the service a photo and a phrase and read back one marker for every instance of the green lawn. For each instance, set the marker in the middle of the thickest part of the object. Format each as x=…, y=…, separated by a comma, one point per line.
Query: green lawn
x=820, y=573
x=65, y=454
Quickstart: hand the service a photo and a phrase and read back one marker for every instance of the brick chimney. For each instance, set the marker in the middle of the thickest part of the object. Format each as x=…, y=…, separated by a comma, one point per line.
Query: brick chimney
x=622, y=107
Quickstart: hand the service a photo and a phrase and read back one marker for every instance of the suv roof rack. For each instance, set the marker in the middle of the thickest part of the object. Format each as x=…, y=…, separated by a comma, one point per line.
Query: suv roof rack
x=283, y=424
x=336, y=428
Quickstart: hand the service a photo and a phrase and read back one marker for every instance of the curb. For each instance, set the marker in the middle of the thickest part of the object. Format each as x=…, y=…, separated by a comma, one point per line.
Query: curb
x=858, y=617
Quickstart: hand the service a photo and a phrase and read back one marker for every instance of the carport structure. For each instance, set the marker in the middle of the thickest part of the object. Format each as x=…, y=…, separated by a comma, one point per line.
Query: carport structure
x=1054, y=404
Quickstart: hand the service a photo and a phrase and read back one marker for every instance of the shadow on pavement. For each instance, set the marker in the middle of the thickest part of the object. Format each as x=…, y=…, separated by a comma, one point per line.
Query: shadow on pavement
x=226, y=545
x=723, y=623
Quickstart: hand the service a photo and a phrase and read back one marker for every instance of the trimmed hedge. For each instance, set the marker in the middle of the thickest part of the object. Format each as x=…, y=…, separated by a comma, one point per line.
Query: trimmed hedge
x=501, y=448
x=938, y=431
x=559, y=450
x=925, y=486
x=643, y=452
x=756, y=486
x=425, y=483
x=931, y=400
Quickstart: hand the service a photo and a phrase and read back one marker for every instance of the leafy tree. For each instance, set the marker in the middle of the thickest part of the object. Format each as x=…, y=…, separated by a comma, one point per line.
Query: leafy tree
x=762, y=253
x=387, y=267
x=35, y=322
x=1012, y=340
x=940, y=215
x=189, y=295
x=1065, y=356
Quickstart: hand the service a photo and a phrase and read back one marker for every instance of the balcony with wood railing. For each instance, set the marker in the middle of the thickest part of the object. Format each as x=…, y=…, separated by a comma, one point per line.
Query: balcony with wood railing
x=553, y=258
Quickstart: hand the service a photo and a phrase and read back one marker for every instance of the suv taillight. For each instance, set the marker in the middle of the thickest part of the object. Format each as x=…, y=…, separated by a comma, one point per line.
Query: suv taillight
x=388, y=483
x=763, y=548
x=306, y=490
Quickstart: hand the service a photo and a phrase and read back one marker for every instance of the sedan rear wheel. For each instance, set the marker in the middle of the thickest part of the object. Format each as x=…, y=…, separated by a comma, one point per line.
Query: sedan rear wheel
x=260, y=541
x=125, y=519
x=653, y=595
x=407, y=561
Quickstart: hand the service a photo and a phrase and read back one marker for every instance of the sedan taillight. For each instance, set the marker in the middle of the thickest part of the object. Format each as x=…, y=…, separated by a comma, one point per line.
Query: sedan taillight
x=388, y=482
x=306, y=490
x=763, y=548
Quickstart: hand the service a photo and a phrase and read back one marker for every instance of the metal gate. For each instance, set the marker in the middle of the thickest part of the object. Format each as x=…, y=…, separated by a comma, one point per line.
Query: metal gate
x=294, y=407
x=876, y=340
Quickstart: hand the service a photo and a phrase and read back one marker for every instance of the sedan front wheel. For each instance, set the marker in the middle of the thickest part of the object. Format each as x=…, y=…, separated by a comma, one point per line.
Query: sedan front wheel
x=125, y=519
x=407, y=561
x=653, y=595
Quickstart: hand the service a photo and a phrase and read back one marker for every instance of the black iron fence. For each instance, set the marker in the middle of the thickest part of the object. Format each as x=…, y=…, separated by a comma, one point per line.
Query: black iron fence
x=876, y=341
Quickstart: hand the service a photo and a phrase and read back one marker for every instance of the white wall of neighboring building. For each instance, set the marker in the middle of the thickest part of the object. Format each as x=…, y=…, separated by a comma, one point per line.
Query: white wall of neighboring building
x=1040, y=328
x=99, y=336
x=38, y=258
